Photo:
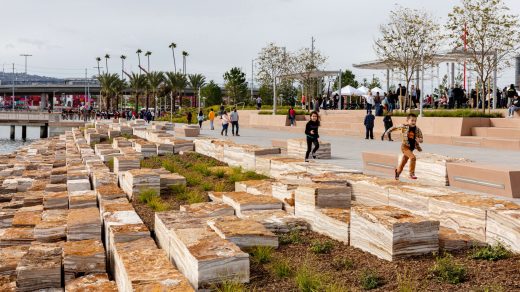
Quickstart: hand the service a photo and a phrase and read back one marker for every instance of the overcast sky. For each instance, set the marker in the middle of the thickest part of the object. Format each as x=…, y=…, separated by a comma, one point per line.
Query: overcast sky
x=65, y=36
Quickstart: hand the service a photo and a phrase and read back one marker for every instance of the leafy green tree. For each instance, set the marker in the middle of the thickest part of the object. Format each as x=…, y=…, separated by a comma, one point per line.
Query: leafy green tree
x=236, y=85
x=138, y=84
x=196, y=81
x=266, y=93
x=212, y=93
x=287, y=92
x=176, y=83
x=347, y=78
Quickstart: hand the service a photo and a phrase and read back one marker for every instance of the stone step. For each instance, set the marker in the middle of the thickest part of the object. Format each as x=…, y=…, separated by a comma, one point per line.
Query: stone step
x=496, y=132
x=255, y=187
x=242, y=201
x=92, y=282
x=244, y=233
x=40, y=268
x=276, y=220
x=82, y=258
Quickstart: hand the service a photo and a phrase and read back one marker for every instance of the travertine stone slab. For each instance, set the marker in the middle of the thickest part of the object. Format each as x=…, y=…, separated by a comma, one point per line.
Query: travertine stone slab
x=100, y=178
x=53, y=226
x=198, y=252
x=449, y=240
x=83, y=224
x=40, y=268
x=82, y=199
x=124, y=163
x=11, y=256
x=78, y=185
x=324, y=195
x=503, y=226
x=390, y=233
x=28, y=216
x=243, y=232
x=123, y=233
x=284, y=164
x=82, y=258
x=6, y=217
x=109, y=192
x=136, y=180
x=466, y=213
x=209, y=209
x=170, y=179
x=56, y=188
x=245, y=155
x=56, y=200
x=92, y=282
x=298, y=148
x=241, y=201
x=276, y=220
x=255, y=187
x=415, y=198
x=141, y=266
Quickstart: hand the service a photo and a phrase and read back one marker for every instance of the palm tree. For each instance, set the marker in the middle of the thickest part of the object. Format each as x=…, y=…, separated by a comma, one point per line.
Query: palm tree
x=154, y=81
x=184, y=55
x=137, y=84
x=117, y=88
x=138, y=52
x=98, y=59
x=173, y=46
x=176, y=82
x=147, y=54
x=107, y=56
x=123, y=57
x=196, y=81
x=107, y=82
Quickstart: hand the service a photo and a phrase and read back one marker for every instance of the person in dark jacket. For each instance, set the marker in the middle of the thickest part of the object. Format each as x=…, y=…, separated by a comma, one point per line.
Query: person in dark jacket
x=188, y=117
x=387, y=121
x=311, y=130
x=369, y=125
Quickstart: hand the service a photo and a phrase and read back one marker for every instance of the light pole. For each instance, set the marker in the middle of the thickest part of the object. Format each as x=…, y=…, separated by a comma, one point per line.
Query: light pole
x=276, y=71
x=13, y=88
x=25, y=55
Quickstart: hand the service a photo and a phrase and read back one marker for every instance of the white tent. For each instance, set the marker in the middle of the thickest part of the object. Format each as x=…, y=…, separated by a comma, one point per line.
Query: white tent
x=363, y=89
x=349, y=91
x=375, y=90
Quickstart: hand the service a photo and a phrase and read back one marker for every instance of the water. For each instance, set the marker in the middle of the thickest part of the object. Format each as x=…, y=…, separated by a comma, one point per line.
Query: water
x=8, y=146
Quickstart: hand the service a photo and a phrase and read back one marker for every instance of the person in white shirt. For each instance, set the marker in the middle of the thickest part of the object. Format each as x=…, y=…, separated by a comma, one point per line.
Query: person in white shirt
x=234, y=121
x=258, y=103
x=370, y=102
x=225, y=123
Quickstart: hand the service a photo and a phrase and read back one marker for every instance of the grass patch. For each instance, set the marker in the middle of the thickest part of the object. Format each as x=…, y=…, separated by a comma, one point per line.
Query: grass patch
x=194, y=197
x=219, y=187
x=110, y=164
x=281, y=268
x=202, y=168
x=127, y=136
x=207, y=186
x=456, y=113
x=343, y=264
x=307, y=280
x=490, y=252
x=193, y=179
x=446, y=270
x=370, y=280
x=406, y=282
x=292, y=237
x=238, y=175
x=220, y=173
x=147, y=195
x=262, y=254
x=158, y=205
x=321, y=247
x=229, y=286
x=336, y=287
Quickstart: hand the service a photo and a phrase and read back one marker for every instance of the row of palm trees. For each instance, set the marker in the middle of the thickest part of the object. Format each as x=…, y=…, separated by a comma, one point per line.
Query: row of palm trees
x=157, y=84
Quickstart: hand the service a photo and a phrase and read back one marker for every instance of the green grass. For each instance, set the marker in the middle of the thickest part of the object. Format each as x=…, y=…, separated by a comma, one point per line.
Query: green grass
x=455, y=113
x=219, y=187
x=146, y=195
x=127, y=136
x=406, y=282
x=370, y=280
x=281, y=268
x=158, y=205
x=194, y=197
x=111, y=164
x=193, y=179
x=220, y=173
x=202, y=168
x=238, y=175
x=343, y=263
x=292, y=237
x=490, y=252
x=447, y=270
x=262, y=254
x=321, y=247
x=336, y=287
x=307, y=280
x=229, y=286
x=207, y=186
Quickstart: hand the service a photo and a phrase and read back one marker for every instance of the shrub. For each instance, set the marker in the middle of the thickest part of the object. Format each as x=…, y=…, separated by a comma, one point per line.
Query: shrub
x=406, y=282
x=262, y=254
x=307, y=280
x=177, y=189
x=157, y=204
x=127, y=136
x=229, y=286
x=220, y=173
x=193, y=179
x=111, y=164
x=370, y=280
x=219, y=187
x=201, y=168
x=321, y=246
x=281, y=268
x=491, y=252
x=292, y=237
x=343, y=263
x=335, y=287
x=146, y=195
x=194, y=197
x=207, y=186
x=445, y=269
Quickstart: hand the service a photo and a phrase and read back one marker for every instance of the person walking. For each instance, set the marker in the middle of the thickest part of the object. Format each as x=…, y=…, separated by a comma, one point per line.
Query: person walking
x=387, y=121
x=200, y=118
x=189, y=116
x=401, y=93
x=234, y=122
x=211, y=117
x=511, y=93
x=369, y=99
x=292, y=116
x=411, y=138
x=225, y=123
x=221, y=110
x=311, y=130
x=369, y=125
x=258, y=103
x=377, y=103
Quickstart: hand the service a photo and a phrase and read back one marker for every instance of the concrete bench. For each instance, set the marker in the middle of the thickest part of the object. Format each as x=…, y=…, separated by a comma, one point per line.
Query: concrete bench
x=188, y=131
x=490, y=179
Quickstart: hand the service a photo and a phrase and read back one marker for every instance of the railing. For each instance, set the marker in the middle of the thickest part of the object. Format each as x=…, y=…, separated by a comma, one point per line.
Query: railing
x=29, y=116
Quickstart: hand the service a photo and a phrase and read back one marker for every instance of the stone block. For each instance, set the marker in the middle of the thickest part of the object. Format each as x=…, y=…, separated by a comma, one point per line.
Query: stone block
x=83, y=224
x=109, y=192
x=16, y=236
x=40, y=268
x=503, y=226
x=241, y=201
x=92, y=282
x=56, y=200
x=390, y=233
x=324, y=195
x=298, y=148
x=136, y=180
x=244, y=233
x=82, y=258
x=276, y=220
x=82, y=199
x=53, y=227
x=255, y=187
x=124, y=163
x=78, y=185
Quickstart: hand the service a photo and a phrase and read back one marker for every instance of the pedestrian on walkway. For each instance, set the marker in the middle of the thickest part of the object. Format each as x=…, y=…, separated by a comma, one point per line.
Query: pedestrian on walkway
x=311, y=130
x=369, y=125
x=211, y=117
x=258, y=103
x=221, y=110
x=411, y=138
x=515, y=106
x=225, y=123
x=200, y=118
x=234, y=122
x=387, y=121
x=369, y=99
x=292, y=116
x=188, y=117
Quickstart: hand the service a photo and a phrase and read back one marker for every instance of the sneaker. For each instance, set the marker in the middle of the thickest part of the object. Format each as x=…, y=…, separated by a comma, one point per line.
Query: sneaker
x=391, y=140
x=313, y=156
x=412, y=176
x=396, y=174
x=306, y=160
x=238, y=135
x=382, y=138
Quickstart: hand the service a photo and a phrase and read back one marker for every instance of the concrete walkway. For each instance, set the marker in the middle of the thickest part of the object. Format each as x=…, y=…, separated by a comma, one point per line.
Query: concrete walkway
x=346, y=151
